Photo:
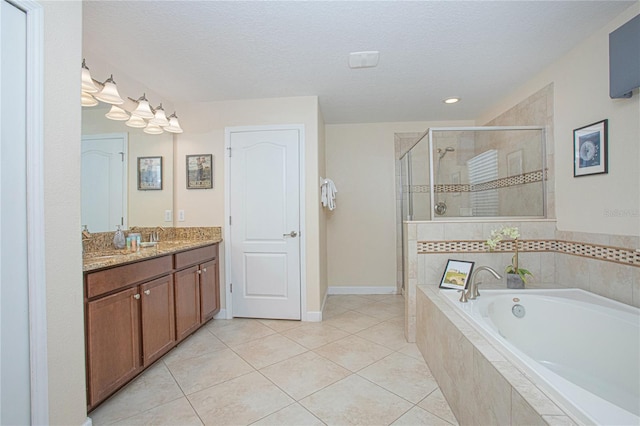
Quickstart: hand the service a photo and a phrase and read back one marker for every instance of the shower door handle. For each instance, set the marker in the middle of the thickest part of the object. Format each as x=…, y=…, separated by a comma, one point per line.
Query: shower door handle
x=292, y=234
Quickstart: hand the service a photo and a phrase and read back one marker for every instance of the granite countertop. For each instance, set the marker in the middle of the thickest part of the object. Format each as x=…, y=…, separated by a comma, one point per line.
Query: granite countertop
x=108, y=258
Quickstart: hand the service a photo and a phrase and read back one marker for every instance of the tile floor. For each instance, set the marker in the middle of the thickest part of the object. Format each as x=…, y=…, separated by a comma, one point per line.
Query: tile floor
x=354, y=368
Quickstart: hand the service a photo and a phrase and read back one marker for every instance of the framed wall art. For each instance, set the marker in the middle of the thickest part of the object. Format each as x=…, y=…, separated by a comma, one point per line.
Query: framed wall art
x=200, y=171
x=590, y=149
x=149, y=173
x=456, y=274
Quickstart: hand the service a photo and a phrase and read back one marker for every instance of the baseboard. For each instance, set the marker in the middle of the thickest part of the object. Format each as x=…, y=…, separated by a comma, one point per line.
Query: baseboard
x=362, y=290
x=222, y=314
x=314, y=316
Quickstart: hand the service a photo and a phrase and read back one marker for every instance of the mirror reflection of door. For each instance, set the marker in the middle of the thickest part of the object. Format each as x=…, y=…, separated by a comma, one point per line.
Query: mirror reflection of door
x=104, y=182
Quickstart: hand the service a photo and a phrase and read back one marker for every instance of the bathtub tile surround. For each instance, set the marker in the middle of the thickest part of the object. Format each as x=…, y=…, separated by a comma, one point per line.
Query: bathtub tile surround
x=480, y=386
x=607, y=265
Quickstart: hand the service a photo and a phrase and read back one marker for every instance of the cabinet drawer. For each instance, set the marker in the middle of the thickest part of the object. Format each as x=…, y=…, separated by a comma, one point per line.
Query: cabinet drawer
x=121, y=276
x=195, y=256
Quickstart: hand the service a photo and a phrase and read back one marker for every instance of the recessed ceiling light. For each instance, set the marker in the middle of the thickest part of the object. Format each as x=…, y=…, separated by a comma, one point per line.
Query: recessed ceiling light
x=451, y=100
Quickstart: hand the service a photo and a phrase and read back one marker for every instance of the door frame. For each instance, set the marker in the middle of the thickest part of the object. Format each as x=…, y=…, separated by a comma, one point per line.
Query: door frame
x=227, y=212
x=38, y=358
x=125, y=169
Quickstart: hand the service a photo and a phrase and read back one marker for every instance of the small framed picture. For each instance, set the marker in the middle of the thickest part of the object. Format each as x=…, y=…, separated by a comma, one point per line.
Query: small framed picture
x=590, y=149
x=514, y=163
x=149, y=173
x=456, y=274
x=200, y=171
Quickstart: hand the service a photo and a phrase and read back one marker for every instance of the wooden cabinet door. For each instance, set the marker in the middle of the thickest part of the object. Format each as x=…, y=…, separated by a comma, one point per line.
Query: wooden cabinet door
x=187, y=296
x=209, y=290
x=113, y=342
x=158, y=321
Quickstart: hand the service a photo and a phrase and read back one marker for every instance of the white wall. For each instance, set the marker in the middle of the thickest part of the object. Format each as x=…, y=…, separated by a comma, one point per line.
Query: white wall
x=361, y=231
x=204, y=125
x=607, y=204
x=65, y=314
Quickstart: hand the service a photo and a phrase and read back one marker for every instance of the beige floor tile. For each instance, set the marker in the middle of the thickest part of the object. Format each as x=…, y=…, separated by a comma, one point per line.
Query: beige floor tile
x=294, y=415
x=383, y=311
x=239, y=401
x=385, y=298
x=331, y=311
x=268, y=350
x=240, y=331
x=209, y=369
x=314, y=334
x=199, y=343
x=413, y=351
x=352, y=322
x=436, y=404
x=353, y=352
x=348, y=302
x=418, y=416
x=151, y=389
x=304, y=374
x=405, y=376
x=355, y=401
x=280, y=325
x=178, y=412
x=389, y=333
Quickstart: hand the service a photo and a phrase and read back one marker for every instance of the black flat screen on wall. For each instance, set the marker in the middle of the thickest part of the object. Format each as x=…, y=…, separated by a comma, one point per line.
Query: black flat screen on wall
x=624, y=59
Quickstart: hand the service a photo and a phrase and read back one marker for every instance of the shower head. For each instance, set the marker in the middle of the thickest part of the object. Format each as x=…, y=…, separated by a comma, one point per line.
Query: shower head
x=443, y=152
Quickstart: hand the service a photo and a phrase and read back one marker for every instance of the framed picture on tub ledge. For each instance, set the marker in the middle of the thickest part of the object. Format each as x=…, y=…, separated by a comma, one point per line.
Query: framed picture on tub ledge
x=200, y=171
x=456, y=274
x=590, y=149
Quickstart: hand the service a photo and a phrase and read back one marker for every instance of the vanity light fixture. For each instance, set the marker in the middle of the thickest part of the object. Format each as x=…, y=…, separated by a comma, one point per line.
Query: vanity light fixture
x=87, y=82
x=153, y=129
x=88, y=100
x=109, y=93
x=136, y=121
x=143, y=110
x=451, y=100
x=159, y=117
x=117, y=113
x=174, y=125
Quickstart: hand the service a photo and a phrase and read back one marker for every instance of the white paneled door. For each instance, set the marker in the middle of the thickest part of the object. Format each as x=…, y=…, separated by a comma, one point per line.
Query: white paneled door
x=264, y=206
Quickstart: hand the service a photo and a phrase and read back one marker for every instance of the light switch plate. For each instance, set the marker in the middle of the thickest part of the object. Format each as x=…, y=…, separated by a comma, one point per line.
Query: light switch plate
x=167, y=215
x=180, y=215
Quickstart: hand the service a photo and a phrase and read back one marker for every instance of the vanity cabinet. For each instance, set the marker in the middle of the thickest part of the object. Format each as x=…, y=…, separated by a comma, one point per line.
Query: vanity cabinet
x=137, y=312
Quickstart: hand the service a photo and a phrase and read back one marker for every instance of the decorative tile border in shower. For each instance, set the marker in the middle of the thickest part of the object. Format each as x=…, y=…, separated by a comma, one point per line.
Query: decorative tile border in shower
x=531, y=177
x=619, y=255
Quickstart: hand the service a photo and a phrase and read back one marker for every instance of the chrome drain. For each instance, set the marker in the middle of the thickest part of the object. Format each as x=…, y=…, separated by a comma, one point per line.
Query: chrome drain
x=518, y=311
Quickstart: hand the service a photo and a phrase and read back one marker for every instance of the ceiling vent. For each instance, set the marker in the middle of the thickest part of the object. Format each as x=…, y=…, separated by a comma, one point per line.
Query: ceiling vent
x=363, y=59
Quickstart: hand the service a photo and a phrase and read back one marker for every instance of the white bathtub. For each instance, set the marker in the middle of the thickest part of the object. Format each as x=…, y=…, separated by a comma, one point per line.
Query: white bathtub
x=581, y=349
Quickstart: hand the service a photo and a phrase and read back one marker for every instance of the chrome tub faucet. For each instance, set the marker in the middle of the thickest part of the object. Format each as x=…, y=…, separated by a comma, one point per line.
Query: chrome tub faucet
x=472, y=292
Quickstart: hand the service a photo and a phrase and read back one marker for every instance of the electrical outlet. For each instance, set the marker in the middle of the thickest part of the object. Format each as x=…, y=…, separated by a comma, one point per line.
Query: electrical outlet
x=167, y=216
x=180, y=215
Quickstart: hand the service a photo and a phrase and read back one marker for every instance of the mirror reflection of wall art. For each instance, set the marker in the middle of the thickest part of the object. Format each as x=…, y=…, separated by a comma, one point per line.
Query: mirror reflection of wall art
x=149, y=173
x=200, y=171
x=590, y=149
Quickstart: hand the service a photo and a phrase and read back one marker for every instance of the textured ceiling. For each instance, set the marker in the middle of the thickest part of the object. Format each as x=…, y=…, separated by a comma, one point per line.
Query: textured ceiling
x=429, y=50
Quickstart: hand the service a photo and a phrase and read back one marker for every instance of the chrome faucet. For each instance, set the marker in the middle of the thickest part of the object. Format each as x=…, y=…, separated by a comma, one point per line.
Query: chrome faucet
x=473, y=292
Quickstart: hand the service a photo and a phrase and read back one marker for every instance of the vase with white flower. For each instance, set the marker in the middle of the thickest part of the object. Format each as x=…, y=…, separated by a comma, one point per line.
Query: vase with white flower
x=516, y=276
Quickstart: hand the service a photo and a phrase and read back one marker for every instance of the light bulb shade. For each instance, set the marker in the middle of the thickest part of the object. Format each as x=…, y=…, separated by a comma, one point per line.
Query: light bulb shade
x=153, y=129
x=87, y=82
x=109, y=93
x=88, y=100
x=160, y=118
x=143, y=110
x=117, y=113
x=174, y=125
x=136, y=121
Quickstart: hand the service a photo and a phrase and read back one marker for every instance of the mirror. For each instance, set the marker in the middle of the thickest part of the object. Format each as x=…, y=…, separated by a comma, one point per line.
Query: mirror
x=140, y=207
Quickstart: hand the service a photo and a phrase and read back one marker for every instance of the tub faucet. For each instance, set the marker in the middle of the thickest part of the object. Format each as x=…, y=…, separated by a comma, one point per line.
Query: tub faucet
x=473, y=292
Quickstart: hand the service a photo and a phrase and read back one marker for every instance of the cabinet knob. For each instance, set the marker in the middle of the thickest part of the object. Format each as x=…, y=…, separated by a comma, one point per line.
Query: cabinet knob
x=136, y=296
x=199, y=271
x=147, y=292
x=204, y=270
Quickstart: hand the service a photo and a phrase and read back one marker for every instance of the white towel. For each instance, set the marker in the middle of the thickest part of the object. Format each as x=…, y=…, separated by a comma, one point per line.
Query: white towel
x=329, y=194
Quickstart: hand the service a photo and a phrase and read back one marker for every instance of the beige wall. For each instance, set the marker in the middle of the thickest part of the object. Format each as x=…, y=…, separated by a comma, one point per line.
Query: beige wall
x=204, y=126
x=607, y=204
x=65, y=321
x=322, y=169
x=361, y=231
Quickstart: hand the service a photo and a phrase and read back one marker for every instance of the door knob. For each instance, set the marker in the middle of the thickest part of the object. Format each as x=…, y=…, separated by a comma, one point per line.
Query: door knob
x=292, y=234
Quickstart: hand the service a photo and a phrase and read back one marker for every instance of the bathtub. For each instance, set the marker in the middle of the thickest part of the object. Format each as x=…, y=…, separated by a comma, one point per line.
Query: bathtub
x=582, y=349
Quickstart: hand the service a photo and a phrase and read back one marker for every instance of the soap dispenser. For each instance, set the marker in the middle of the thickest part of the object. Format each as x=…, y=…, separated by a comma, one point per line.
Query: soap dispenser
x=118, y=239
